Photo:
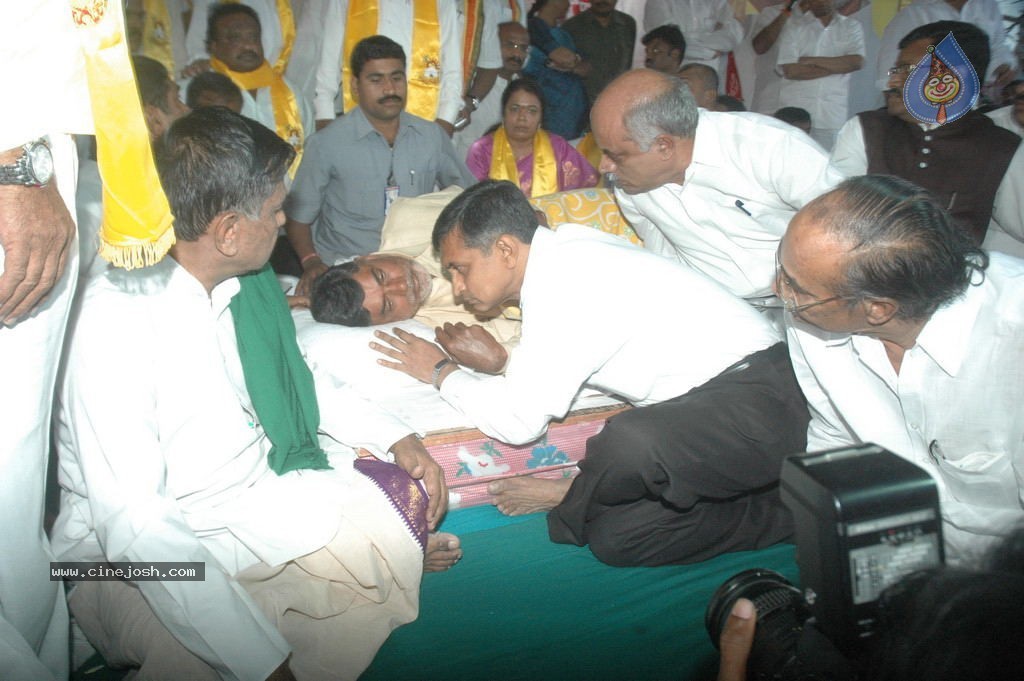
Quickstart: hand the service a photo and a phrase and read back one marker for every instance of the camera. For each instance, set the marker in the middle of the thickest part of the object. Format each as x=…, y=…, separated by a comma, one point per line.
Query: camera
x=864, y=518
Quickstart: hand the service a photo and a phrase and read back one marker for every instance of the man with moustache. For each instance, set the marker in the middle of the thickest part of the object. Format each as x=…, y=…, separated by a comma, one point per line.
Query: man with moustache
x=515, y=43
x=233, y=39
x=664, y=48
x=355, y=167
x=973, y=167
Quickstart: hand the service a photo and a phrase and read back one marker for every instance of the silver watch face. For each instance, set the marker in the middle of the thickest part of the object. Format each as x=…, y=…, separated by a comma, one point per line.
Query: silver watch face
x=40, y=162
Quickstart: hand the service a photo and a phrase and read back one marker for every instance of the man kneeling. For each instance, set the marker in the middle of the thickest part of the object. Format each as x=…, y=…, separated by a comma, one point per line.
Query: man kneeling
x=189, y=432
x=693, y=471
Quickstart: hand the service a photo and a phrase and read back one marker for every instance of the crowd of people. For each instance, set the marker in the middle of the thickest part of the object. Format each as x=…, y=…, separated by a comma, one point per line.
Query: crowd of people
x=811, y=275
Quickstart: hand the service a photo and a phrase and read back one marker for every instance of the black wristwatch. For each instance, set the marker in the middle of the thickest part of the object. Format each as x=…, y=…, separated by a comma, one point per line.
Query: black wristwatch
x=34, y=168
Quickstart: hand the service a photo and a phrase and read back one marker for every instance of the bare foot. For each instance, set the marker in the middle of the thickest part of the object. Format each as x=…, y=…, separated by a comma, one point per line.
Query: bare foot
x=443, y=552
x=519, y=496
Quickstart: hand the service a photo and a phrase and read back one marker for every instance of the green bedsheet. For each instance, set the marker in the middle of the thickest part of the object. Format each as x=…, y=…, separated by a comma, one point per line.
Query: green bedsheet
x=519, y=607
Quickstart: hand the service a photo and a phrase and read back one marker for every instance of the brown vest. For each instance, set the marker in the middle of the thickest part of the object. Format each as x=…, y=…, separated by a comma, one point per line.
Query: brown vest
x=961, y=163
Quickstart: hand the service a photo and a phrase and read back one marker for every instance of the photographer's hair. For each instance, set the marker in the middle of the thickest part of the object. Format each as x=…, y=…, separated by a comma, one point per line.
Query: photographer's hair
x=954, y=624
x=213, y=82
x=374, y=47
x=225, y=9
x=213, y=161
x=153, y=81
x=904, y=245
x=670, y=34
x=337, y=298
x=667, y=110
x=483, y=213
x=524, y=84
x=971, y=39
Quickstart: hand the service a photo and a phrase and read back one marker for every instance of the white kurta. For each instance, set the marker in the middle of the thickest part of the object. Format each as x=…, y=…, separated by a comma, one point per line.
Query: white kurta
x=748, y=176
x=43, y=79
x=631, y=334
x=954, y=409
x=710, y=28
x=163, y=459
x=394, y=20
x=824, y=98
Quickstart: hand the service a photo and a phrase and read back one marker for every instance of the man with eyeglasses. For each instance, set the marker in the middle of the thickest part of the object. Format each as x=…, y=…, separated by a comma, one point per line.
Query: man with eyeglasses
x=904, y=333
x=975, y=169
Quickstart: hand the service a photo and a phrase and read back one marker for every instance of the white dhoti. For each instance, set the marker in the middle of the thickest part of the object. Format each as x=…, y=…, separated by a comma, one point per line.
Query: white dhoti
x=335, y=606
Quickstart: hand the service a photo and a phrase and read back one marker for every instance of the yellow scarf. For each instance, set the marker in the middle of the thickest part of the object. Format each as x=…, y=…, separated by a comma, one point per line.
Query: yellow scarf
x=287, y=119
x=287, y=22
x=424, y=67
x=545, y=167
x=136, y=229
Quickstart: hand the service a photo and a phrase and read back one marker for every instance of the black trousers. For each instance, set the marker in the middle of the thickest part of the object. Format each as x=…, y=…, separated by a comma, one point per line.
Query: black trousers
x=693, y=477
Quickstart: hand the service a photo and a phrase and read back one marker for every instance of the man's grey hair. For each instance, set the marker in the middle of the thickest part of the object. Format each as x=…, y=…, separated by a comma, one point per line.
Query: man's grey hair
x=671, y=110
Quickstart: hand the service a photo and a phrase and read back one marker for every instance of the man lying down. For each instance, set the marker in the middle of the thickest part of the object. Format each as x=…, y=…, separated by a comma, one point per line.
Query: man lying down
x=404, y=281
x=693, y=470
x=191, y=430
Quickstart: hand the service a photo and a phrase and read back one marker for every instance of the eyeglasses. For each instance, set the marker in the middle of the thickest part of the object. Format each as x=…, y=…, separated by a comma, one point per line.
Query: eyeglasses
x=901, y=69
x=783, y=282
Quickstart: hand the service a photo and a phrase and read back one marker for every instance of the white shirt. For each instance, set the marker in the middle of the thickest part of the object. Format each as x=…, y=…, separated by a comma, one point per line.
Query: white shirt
x=767, y=81
x=824, y=98
x=1005, y=229
x=600, y=312
x=954, y=409
x=394, y=19
x=487, y=114
x=1003, y=117
x=697, y=19
x=985, y=14
x=162, y=459
x=770, y=167
x=55, y=81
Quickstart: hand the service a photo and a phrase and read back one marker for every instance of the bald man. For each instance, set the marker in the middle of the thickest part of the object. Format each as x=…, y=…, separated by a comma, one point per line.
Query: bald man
x=712, y=190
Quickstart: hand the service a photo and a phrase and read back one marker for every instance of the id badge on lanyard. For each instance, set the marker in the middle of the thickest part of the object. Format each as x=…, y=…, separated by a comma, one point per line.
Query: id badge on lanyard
x=390, y=194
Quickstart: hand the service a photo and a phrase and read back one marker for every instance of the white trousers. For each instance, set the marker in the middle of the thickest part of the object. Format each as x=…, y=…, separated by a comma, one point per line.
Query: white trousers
x=33, y=613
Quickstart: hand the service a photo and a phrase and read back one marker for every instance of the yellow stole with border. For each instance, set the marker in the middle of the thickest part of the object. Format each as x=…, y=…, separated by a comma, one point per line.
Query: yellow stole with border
x=137, y=225
x=286, y=19
x=545, y=167
x=287, y=119
x=423, y=70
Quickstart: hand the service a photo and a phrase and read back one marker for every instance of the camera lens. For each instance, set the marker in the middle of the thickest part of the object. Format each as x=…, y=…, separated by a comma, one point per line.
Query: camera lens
x=781, y=613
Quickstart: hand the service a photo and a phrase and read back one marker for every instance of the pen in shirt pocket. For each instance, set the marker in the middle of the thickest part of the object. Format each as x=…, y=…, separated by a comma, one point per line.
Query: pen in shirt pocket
x=739, y=204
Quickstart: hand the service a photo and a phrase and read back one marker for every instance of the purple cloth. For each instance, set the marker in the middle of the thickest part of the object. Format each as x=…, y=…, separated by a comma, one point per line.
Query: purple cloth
x=405, y=494
x=574, y=171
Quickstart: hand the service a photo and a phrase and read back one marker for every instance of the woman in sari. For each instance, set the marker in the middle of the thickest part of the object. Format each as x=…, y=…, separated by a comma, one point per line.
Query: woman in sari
x=520, y=151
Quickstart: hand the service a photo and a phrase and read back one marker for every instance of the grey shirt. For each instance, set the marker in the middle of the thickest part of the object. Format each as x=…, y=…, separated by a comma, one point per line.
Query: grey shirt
x=339, y=187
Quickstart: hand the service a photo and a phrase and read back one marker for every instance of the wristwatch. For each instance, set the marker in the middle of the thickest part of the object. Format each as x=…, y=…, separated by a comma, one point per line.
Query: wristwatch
x=34, y=168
